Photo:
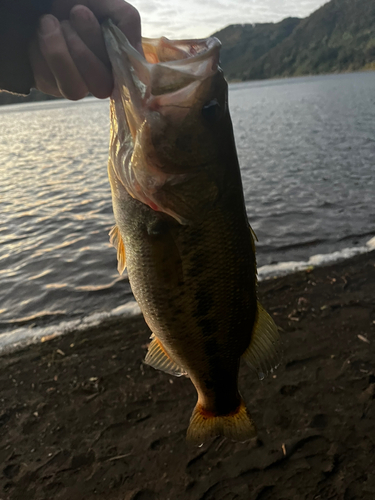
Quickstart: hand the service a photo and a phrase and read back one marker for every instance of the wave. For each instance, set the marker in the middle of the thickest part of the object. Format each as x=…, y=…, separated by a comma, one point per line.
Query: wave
x=22, y=337
x=282, y=268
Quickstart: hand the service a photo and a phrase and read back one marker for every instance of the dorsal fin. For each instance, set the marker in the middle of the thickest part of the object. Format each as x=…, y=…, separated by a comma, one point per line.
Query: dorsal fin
x=255, y=237
x=116, y=240
x=263, y=353
x=158, y=358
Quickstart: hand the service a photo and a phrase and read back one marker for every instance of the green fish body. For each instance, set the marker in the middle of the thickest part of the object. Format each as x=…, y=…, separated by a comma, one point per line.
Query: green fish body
x=181, y=225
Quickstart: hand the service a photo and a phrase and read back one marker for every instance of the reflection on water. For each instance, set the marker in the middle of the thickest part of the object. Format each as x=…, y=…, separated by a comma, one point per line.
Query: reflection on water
x=56, y=200
x=307, y=152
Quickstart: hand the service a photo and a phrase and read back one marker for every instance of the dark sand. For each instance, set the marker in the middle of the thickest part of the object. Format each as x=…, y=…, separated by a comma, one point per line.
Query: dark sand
x=82, y=418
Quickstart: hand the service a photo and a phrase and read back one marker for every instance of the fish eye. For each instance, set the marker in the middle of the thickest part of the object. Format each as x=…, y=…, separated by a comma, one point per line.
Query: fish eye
x=211, y=111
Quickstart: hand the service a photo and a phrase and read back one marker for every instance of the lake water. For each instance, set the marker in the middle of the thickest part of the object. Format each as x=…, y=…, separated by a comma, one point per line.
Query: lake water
x=307, y=153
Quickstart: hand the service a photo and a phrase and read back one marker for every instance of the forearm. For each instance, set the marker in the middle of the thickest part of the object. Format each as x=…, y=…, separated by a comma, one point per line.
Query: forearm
x=18, y=23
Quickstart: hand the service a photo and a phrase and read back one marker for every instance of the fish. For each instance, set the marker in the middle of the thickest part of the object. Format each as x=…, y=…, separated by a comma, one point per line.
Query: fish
x=182, y=230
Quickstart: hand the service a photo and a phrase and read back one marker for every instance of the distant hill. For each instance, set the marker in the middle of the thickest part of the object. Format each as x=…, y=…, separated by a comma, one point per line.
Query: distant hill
x=338, y=37
x=244, y=44
x=35, y=95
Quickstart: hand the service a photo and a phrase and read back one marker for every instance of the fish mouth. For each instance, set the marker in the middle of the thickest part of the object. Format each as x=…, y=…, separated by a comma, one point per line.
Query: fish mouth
x=166, y=69
x=154, y=104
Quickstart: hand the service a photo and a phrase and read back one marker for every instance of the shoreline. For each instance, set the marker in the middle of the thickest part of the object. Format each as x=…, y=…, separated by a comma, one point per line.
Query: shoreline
x=31, y=332
x=83, y=417
x=10, y=99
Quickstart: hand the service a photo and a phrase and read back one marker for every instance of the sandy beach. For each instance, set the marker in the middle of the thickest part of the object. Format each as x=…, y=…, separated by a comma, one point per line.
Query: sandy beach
x=81, y=417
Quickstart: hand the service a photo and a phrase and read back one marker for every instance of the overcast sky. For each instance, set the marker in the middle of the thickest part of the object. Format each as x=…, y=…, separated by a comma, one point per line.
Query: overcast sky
x=200, y=18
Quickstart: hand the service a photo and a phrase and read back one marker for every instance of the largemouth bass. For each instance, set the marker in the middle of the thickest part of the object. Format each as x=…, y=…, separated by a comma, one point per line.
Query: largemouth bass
x=181, y=224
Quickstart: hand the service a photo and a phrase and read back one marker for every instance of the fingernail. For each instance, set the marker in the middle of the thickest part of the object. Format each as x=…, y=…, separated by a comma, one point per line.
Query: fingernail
x=48, y=25
x=81, y=12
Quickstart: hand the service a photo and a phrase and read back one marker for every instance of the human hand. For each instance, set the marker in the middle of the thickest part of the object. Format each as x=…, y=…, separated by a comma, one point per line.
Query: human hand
x=68, y=54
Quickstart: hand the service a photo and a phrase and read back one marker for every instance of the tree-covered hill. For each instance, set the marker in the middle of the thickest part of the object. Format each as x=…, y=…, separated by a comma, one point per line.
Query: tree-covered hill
x=35, y=95
x=340, y=36
x=244, y=44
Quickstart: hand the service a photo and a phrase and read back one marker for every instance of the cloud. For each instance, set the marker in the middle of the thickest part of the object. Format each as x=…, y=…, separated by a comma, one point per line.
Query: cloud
x=200, y=18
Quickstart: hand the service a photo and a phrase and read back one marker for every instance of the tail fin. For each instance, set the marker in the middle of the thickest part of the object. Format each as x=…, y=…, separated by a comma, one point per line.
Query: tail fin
x=204, y=425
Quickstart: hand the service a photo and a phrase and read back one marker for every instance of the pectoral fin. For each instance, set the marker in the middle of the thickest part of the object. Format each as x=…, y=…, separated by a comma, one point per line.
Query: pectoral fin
x=116, y=240
x=158, y=358
x=189, y=201
x=263, y=353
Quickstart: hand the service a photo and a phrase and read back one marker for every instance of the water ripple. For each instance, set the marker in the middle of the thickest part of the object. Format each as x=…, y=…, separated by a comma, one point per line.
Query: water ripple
x=306, y=148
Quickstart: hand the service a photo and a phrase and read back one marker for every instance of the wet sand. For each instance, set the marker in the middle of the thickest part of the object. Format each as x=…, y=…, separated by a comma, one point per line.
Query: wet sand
x=81, y=417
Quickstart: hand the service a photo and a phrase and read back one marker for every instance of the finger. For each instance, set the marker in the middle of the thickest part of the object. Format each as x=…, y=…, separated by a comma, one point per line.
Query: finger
x=89, y=30
x=43, y=76
x=128, y=19
x=124, y=15
x=56, y=54
x=97, y=77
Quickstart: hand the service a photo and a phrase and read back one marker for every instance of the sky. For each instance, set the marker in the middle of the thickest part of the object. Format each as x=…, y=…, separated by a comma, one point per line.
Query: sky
x=200, y=18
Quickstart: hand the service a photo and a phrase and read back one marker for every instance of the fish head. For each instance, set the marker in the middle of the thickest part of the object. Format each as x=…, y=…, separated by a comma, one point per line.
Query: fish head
x=169, y=119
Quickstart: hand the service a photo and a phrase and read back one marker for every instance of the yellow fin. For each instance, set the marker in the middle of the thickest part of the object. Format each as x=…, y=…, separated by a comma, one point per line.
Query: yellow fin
x=205, y=425
x=253, y=240
x=116, y=240
x=263, y=353
x=255, y=237
x=158, y=358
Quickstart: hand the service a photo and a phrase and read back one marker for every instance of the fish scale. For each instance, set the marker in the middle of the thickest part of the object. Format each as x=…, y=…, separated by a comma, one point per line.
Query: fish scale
x=182, y=228
x=176, y=314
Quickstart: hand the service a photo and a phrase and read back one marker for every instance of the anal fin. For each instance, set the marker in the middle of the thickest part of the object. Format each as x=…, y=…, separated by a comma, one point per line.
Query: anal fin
x=158, y=358
x=263, y=353
x=116, y=240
